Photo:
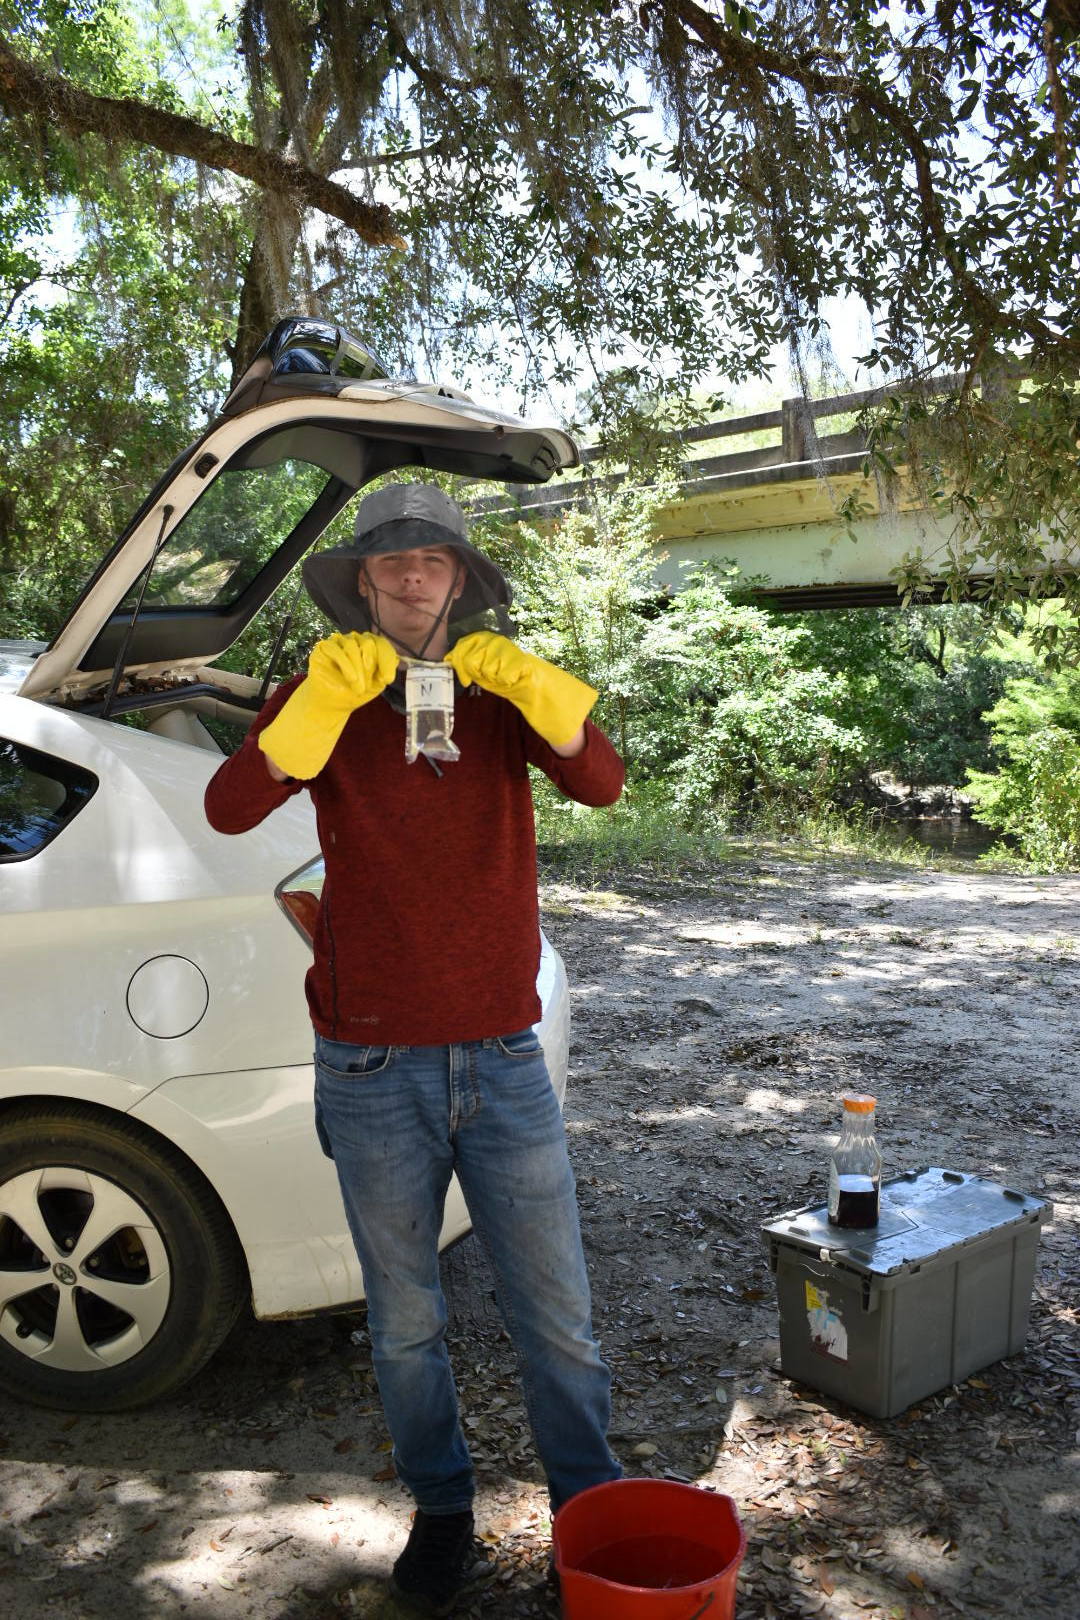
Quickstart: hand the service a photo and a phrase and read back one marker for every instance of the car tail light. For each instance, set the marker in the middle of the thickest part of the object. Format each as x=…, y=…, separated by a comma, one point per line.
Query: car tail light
x=299, y=894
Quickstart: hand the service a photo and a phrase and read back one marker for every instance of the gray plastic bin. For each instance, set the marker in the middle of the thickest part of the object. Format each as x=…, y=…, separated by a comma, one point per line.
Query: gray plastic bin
x=939, y=1288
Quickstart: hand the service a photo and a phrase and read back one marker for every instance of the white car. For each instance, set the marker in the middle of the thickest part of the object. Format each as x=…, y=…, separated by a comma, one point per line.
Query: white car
x=158, y=1160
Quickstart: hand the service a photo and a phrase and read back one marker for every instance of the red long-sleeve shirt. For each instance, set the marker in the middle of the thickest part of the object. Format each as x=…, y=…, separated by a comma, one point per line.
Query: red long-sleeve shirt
x=428, y=929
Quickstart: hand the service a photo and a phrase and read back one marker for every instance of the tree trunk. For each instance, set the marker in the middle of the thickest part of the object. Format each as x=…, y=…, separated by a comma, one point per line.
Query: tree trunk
x=265, y=292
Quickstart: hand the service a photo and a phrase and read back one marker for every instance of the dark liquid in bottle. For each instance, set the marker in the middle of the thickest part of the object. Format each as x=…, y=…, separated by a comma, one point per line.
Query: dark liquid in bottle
x=856, y=1203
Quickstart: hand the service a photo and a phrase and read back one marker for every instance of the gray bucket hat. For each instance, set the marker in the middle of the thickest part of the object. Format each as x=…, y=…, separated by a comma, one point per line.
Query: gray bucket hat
x=400, y=518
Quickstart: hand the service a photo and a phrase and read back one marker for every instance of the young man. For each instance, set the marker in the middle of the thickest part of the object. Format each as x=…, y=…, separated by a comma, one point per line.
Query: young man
x=423, y=990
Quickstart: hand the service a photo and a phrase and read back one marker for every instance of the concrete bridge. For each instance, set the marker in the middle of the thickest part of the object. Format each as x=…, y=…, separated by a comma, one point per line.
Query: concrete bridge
x=772, y=511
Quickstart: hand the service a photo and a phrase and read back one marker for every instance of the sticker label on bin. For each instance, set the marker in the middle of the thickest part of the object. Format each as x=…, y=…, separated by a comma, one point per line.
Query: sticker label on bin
x=828, y=1335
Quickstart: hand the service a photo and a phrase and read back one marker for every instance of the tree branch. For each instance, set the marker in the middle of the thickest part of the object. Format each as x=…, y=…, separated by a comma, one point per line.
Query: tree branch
x=38, y=93
x=1057, y=104
x=743, y=53
x=19, y=288
x=375, y=159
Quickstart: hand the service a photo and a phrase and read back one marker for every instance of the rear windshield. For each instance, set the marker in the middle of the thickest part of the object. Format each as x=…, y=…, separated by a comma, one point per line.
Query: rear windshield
x=39, y=794
x=234, y=528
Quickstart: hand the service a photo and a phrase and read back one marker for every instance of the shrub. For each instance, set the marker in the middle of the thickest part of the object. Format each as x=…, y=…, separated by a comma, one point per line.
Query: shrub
x=704, y=696
x=1036, y=798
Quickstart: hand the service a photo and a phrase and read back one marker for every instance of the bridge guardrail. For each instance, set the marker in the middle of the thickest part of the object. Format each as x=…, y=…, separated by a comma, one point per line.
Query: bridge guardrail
x=800, y=453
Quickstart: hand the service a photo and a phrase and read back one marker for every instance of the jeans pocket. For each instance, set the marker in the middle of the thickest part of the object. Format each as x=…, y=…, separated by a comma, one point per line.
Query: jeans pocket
x=340, y=1061
x=523, y=1043
x=322, y=1134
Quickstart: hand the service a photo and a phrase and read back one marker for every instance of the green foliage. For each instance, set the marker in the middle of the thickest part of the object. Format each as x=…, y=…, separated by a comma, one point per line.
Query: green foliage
x=705, y=698
x=1035, y=795
x=729, y=718
x=118, y=272
x=616, y=191
x=583, y=592
x=1034, y=702
x=632, y=199
x=998, y=466
x=735, y=719
x=919, y=684
x=639, y=836
x=1036, y=798
x=636, y=201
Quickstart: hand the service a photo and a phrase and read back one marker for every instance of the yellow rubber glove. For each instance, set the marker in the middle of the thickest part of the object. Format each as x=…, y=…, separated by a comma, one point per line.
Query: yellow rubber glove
x=344, y=672
x=554, y=703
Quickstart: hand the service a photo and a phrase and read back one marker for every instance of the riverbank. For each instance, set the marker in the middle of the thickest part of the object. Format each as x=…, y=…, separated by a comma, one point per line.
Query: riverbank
x=716, y=1021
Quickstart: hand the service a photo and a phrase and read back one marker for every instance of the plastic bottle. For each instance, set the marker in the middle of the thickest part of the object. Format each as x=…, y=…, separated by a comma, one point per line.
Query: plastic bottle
x=855, y=1166
x=429, y=711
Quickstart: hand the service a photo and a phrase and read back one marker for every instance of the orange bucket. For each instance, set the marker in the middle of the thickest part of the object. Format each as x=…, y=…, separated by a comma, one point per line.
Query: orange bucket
x=648, y=1549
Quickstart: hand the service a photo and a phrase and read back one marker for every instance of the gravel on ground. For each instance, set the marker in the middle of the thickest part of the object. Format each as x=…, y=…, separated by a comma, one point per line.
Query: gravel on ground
x=716, y=1022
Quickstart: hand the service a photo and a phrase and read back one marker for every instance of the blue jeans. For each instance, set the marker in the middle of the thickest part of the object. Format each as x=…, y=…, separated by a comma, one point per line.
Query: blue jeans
x=398, y=1121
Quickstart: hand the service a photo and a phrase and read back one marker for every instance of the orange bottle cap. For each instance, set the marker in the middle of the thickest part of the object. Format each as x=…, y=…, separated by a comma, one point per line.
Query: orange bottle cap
x=856, y=1103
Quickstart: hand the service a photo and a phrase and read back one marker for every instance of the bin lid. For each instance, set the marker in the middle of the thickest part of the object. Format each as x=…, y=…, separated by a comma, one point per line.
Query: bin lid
x=923, y=1213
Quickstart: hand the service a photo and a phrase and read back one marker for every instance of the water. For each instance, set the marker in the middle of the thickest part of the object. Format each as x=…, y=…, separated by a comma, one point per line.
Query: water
x=654, y=1561
x=958, y=836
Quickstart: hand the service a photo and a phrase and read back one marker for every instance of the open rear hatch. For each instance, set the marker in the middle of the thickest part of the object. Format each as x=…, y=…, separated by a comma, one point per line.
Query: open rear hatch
x=313, y=420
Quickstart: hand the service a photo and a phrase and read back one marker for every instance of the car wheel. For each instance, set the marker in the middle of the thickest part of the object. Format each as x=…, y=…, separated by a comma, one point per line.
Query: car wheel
x=120, y=1273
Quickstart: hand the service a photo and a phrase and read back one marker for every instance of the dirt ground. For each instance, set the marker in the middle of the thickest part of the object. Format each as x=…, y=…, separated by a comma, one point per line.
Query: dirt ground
x=716, y=1022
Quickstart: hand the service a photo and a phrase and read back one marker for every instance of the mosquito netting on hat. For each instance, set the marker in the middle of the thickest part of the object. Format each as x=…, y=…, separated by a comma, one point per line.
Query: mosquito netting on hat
x=402, y=518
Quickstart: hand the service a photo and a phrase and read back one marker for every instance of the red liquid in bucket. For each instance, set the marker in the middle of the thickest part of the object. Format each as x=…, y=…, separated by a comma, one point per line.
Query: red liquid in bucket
x=645, y=1549
x=657, y=1561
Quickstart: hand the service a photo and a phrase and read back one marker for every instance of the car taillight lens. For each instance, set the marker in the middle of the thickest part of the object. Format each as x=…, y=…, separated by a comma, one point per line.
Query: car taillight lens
x=299, y=894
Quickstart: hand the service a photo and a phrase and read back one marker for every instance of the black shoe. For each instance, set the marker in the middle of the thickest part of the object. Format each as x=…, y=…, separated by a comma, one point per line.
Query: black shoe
x=439, y=1561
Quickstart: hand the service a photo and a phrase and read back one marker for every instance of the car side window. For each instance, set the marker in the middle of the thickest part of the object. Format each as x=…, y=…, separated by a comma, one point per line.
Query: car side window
x=39, y=795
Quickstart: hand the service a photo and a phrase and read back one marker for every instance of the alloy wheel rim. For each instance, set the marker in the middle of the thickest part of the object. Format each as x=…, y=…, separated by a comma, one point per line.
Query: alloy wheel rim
x=85, y=1278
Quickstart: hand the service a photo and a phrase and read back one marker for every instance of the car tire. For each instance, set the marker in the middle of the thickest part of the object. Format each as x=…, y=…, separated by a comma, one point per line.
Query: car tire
x=120, y=1273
